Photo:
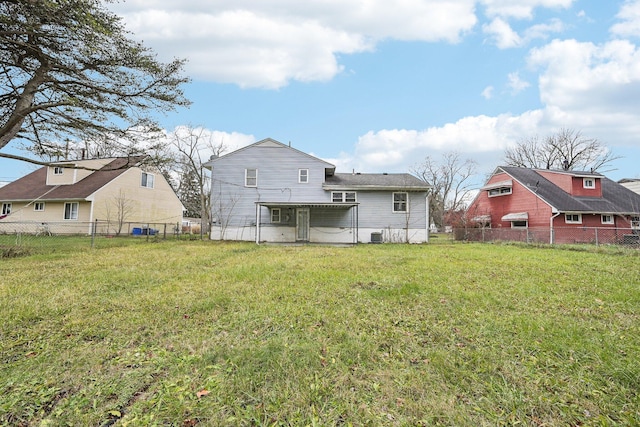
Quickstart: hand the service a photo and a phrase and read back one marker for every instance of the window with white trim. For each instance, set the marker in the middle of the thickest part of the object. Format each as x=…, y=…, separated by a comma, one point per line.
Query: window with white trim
x=519, y=224
x=607, y=219
x=499, y=191
x=573, y=218
x=6, y=208
x=38, y=206
x=251, y=177
x=400, y=201
x=303, y=176
x=276, y=215
x=588, y=183
x=57, y=170
x=635, y=222
x=147, y=180
x=71, y=210
x=343, y=196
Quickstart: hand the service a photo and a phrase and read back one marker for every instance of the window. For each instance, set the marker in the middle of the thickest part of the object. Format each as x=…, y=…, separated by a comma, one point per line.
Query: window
x=147, y=180
x=607, y=219
x=518, y=224
x=635, y=222
x=588, y=183
x=500, y=191
x=343, y=196
x=400, y=202
x=71, y=210
x=57, y=170
x=6, y=208
x=251, y=177
x=573, y=219
x=276, y=215
x=303, y=176
x=38, y=206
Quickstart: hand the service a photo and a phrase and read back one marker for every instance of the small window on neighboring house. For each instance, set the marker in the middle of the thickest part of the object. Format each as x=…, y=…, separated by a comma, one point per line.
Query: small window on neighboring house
x=303, y=176
x=57, y=170
x=147, y=180
x=251, y=177
x=501, y=191
x=350, y=197
x=607, y=219
x=71, y=210
x=276, y=215
x=38, y=206
x=635, y=222
x=573, y=219
x=519, y=224
x=400, y=202
x=588, y=183
x=6, y=208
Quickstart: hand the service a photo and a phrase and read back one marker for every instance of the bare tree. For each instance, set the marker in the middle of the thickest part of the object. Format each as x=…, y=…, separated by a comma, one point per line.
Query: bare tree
x=119, y=209
x=566, y=149
x=449, y=178
x=194, y=146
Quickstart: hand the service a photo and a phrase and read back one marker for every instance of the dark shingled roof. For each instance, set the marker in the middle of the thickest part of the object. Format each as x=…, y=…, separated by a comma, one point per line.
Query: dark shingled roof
x=376, y=181
x=616, y=198
x=33, y=186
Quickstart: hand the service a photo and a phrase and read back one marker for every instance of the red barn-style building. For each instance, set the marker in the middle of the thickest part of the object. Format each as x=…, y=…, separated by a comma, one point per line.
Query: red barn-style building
x=559, y=201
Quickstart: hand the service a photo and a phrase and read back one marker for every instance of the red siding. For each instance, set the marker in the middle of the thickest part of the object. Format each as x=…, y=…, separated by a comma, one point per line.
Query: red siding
x=520, y=200
x=573, y=185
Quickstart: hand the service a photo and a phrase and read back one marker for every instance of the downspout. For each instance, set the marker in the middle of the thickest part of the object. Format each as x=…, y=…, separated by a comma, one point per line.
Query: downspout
x=554, y=216
x=258, y=223
x=427, y=199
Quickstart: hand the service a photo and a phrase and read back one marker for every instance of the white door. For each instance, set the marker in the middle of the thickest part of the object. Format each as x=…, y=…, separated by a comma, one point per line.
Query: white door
x=302, y=224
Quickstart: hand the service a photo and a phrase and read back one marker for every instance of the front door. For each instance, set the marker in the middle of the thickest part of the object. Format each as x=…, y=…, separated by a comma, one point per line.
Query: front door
x=302, y=225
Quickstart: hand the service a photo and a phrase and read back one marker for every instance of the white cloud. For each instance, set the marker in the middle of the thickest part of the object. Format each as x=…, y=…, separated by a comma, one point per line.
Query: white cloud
x=516, y=84
x=521, y=9
x=630, y=16
x=487, y=93
x=268, y=43
x=502, y=33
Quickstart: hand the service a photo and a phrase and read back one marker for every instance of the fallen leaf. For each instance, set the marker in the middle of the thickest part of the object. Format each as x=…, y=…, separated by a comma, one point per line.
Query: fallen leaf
x=203, y=392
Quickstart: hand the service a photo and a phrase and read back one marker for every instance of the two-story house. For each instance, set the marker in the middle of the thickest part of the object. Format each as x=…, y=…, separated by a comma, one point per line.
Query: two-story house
x=73, y=194
x=271, y=192
x=556, y=200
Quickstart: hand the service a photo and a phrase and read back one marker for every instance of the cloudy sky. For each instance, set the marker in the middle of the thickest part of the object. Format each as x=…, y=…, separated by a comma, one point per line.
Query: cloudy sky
x=376, y=86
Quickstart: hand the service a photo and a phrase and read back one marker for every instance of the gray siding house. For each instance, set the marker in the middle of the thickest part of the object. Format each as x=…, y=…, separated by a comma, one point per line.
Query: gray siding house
x=270, y=192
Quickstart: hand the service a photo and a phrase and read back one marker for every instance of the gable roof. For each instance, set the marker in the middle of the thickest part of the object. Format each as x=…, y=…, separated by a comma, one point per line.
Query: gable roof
x=33, y=186
x=271, y=143
x=375, y=181
x=616, y=199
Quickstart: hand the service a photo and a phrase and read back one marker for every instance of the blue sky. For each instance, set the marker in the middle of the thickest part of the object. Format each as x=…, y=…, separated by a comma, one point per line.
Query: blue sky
x=377, y=86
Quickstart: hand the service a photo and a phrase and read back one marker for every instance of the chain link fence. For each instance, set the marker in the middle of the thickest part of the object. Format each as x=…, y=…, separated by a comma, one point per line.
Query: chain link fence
x=558, y=235
x=18, y=238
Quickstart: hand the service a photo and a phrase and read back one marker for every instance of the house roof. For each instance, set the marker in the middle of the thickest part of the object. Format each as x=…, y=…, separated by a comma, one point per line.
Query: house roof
x=33, y=186
x=375, y=181
x=616, y=199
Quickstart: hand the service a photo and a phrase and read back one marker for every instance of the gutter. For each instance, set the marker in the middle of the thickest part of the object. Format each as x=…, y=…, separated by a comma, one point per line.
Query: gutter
x=554, y=216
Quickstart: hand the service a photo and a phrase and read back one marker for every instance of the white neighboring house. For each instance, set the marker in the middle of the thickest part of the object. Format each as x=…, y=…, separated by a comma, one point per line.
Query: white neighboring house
x=271, y=192
x=631, y=184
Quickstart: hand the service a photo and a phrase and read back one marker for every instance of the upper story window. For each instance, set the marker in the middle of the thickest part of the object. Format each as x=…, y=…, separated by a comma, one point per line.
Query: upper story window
x=6, y=208
x=343, y=196
x=147, y=180
x=400, y=201
x=71, y=210
x=38, y=206
x=57, y=170
x=588, y=183
x=303, y=176
x=251, y=177
x=573, y=218
x=499, y=191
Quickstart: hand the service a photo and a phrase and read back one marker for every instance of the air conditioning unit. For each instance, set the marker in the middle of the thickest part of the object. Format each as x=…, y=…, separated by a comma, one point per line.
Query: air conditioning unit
x=376, y=237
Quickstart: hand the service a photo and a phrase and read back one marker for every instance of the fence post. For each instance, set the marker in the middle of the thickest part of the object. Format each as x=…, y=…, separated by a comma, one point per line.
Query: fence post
x=93, y=233
x=597, y=243
x=165, y=231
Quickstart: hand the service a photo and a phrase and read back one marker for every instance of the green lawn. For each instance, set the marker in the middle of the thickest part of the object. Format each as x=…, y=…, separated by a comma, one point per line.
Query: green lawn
x=202, y=333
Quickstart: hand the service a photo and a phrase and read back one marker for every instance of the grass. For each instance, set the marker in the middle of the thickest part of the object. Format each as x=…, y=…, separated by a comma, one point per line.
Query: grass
x=203, y=333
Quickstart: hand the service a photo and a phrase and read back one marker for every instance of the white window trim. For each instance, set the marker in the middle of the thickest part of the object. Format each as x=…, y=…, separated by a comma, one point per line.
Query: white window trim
x=526, y=224
x=602, y=219
x=6, y=209
x=71, y=216
x=275, y=220
x=305, y=176
x=502, y=191
x=406, y=202
x=571, y=221
x=35, y=206
x=246, y=177
x=148, y=175
x=591, y=180
x=343, y=196
x=58, y=170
